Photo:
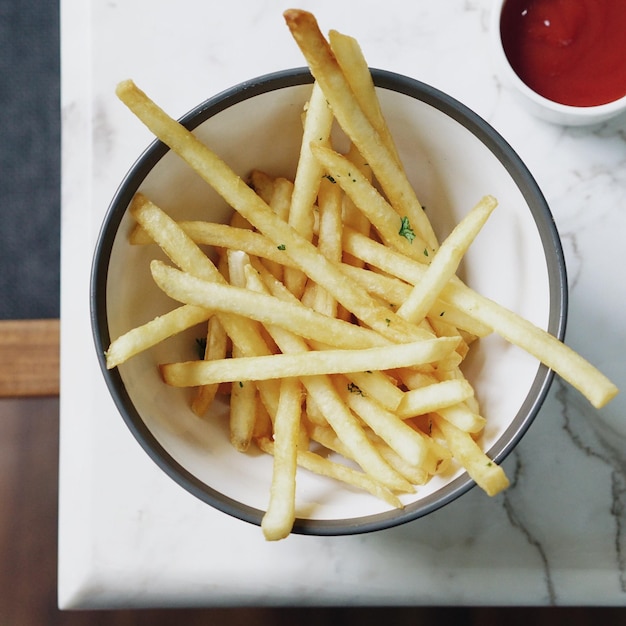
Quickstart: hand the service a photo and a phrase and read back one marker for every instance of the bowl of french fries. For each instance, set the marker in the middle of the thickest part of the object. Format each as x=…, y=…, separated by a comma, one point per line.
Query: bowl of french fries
x=332, y=299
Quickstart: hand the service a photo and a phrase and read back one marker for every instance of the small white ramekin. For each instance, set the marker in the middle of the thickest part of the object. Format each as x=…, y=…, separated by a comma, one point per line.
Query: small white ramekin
x=536, y=104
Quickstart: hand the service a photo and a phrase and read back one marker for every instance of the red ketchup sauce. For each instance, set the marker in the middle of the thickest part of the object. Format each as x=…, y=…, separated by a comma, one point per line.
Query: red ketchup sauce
x=569, y=51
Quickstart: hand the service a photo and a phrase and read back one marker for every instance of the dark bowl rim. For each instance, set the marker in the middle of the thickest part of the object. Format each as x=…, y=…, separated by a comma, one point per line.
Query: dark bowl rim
x=482, y=130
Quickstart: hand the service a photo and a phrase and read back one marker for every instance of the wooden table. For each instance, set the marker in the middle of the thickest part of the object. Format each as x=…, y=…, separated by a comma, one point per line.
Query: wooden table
x=29, y=358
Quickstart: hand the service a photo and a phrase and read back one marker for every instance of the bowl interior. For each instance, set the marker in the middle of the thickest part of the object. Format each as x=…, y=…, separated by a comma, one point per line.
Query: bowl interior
x=453, y=158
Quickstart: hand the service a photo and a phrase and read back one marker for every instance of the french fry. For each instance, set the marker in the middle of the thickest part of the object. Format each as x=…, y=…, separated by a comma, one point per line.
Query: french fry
x=446, y=262
x=329, y=239
x=487, y=474
x=280, y=514
x=317, y=127
x=155, y=331
x=548, y=349
x=243, y=394
x=250, y=206
x=405, y=441
x=461, y=416
x=313, y=363
x=354, y=122
x=319, y=465
x=216, y=348
x=374, y=206
x=263, y=308
x=433, y=397
x=354, y=66
x=335, y=412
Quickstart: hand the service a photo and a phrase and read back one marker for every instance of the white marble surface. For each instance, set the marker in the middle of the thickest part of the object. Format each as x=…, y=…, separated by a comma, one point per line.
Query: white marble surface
x=130, y=537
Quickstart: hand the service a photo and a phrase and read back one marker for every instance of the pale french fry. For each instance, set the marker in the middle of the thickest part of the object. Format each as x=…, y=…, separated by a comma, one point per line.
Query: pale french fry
x=263, y=184
x=352, y=217
x=146, y=336
x=243, y=394
x=326, y=399
x=313, y=363
x=242, y=414
x=379, y=386
x=216, y=347
x=224, y=236
x=393, y=230
x=433, y=397
x=263, y=308
x=319, y=465
x=173, y=240
x=354, y=122
x=280, y=514
x=400, y=437
x=250, y=206
x=280, y=203
x=395, y=291
x=485, y=473
x=317, y=126
x=461, y=416
x=325, y=436
x=328, y=239
x=570, y=365
x=354, y=66
x=446, y=261
x=549, y=350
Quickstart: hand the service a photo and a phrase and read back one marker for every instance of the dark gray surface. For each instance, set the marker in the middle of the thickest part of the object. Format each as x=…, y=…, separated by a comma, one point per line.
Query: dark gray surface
x=29, y=159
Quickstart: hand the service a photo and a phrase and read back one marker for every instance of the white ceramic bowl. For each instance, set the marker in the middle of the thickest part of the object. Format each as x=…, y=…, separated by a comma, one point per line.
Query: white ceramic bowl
x=536, y=104
x=453, y=158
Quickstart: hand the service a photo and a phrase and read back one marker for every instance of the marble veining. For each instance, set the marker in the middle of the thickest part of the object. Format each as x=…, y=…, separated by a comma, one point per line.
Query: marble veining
x=130, y=537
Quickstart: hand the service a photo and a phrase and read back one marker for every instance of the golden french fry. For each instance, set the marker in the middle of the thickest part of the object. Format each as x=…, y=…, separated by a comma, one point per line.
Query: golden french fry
x=487, y=475
x=324, y=467
x=379, y=386
x=549, y=350
x=263, y=308
x=313, y=363
x=317, y=126
x=433, y=397
x=250, y=206
x=153, y=332
x=329, y=404
x=216, y=347
x=328, y=239
x=463, y=418
x=173, y=240
x=400, y=437
x=280, y=514
x=263, y=184
x=354, y=66
x=354, y=122
x=446, y=261
x=280, y=203
x=394, y=230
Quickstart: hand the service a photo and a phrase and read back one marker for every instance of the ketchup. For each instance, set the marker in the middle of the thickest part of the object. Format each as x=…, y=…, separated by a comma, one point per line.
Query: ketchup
x=569, y=51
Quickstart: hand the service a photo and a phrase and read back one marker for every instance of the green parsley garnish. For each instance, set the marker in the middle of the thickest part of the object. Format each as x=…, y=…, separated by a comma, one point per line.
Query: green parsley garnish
x=201, y=345
x=330, y=178
x=352, y=388
x=282, y=246
x=406, y=231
